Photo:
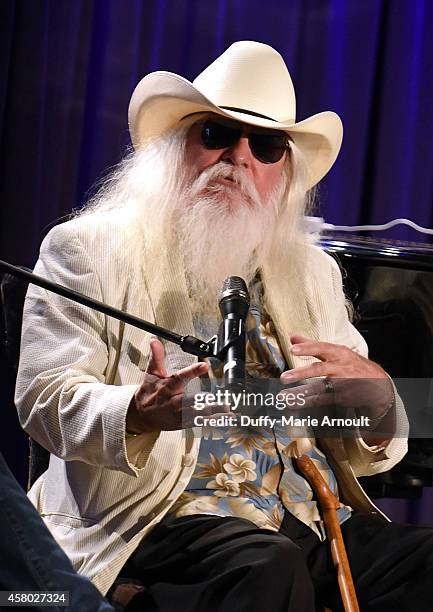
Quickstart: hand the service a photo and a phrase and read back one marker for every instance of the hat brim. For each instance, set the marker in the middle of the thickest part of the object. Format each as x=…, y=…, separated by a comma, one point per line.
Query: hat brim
x=161, y=99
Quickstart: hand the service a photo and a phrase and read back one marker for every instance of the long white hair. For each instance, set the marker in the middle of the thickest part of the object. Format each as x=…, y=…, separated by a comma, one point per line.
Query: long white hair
x=158, y=203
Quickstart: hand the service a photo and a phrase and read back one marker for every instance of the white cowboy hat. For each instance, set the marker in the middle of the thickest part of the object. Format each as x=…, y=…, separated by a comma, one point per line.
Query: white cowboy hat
x=248, y=82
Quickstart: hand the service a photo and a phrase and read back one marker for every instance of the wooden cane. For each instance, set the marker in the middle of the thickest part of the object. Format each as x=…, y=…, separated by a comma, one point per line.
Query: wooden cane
x=328, y=505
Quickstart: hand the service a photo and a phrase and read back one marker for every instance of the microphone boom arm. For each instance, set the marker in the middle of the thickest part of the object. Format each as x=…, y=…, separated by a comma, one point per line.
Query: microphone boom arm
x=189, y=344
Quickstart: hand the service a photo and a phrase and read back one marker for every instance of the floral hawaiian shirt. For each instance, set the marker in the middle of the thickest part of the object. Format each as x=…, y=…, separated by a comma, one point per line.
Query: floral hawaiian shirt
x=248, y=472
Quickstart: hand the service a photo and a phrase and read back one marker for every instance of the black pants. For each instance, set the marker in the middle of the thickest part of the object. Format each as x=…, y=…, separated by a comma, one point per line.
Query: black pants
x=208, y=563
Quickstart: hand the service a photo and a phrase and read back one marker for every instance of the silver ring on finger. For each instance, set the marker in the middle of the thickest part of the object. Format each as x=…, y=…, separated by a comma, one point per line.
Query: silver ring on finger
x=329, y=387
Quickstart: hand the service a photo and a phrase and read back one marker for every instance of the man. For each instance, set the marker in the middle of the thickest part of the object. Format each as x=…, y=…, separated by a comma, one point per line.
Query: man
x=217, y=185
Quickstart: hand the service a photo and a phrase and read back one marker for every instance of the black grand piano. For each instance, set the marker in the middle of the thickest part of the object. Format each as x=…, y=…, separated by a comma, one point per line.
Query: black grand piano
x=391, y=287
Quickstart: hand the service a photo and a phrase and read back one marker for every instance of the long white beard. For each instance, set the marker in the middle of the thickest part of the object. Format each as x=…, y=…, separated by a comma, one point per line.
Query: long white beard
x=223, y=228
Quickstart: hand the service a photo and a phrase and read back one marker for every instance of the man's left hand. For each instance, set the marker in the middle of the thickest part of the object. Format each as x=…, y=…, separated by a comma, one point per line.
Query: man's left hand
x=347, y=381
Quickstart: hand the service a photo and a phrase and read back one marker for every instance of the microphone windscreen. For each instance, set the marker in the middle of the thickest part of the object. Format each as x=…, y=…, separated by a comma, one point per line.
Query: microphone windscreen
x=235, y=286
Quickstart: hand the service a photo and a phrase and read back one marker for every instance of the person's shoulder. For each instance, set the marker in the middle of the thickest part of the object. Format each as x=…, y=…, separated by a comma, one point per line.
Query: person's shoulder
x=99, y=244
x=90, y=231
x=319, y=259
x=324, y=271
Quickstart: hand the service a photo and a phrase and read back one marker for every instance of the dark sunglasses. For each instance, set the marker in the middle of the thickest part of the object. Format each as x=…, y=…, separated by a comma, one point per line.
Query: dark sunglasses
x=266, y=145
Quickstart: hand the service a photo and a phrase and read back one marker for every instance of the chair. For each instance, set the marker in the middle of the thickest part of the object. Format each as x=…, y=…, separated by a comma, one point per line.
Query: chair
x=12, y=293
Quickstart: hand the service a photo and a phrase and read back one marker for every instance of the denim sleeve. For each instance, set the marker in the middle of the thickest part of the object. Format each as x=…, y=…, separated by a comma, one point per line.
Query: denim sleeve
x=32, y=560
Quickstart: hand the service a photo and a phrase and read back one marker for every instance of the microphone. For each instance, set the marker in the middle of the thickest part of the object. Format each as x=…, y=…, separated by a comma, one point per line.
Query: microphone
x=234, y=303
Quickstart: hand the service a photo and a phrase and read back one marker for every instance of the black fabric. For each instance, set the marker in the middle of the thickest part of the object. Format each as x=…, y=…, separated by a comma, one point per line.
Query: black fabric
x=391, y=563
x=212, y=563
x=12, y=293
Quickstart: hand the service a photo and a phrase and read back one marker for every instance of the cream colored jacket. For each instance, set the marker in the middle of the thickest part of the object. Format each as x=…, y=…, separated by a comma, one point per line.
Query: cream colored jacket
x=79, y=370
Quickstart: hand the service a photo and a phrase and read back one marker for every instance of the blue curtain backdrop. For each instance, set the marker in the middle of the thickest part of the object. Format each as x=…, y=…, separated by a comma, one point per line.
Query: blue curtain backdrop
x=68, y=68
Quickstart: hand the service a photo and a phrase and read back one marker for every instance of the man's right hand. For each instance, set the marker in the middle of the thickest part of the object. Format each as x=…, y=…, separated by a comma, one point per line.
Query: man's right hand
x=160, y=403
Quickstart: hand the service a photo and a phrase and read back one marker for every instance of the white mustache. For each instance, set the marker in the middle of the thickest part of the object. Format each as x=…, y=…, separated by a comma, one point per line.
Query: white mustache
x=223, y=170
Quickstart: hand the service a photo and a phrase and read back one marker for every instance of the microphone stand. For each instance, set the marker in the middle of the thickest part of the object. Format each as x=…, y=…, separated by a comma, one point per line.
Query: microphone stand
x=189, y=344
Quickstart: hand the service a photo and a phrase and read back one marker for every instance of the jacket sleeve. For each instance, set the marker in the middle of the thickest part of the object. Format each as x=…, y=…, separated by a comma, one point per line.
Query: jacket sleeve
x=366, y=460
x=62, y=397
